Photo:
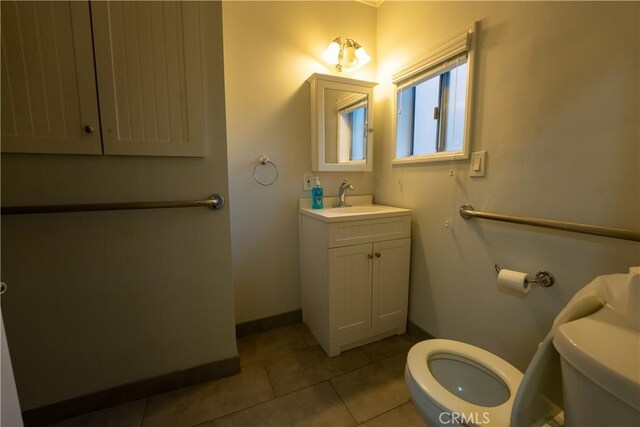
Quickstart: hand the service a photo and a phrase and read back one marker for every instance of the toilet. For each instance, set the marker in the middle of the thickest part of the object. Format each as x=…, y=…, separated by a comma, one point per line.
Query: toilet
x=593, y=346
x=453, y=383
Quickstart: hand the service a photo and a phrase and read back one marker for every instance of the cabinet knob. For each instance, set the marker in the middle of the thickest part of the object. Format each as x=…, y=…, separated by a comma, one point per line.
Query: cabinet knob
x=89, y=129
x=3, y=288
x=370, y=256
x=378, y=254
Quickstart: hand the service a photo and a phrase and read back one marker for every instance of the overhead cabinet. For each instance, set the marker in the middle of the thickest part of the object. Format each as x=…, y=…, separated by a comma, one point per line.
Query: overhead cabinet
x=118, y=78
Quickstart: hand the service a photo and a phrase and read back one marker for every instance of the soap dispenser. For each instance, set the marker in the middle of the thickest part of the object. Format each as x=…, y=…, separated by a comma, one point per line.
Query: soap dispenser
x=317, y=194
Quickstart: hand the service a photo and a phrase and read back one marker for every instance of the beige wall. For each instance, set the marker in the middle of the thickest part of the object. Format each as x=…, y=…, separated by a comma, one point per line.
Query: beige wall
x=271, y=48
x=557, y=107
x=102, y=299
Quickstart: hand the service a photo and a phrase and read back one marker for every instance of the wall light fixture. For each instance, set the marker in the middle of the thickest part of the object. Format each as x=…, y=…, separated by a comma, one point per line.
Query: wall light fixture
x=345, y=53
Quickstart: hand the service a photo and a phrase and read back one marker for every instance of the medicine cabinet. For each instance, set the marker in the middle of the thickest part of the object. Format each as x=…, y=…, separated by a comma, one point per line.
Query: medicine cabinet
x=341, y=123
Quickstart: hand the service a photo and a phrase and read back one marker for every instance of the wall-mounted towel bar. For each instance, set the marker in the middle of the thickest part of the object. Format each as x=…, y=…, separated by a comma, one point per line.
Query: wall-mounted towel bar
x=215, y=201
x=467, y=212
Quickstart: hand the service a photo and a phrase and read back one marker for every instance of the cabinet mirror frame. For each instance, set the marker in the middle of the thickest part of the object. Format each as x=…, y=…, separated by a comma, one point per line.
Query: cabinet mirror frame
x=319, y=83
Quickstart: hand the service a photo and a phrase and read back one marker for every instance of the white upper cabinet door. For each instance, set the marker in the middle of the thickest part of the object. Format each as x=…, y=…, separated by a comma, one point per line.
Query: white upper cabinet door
x=149, y=77
x=48, y=79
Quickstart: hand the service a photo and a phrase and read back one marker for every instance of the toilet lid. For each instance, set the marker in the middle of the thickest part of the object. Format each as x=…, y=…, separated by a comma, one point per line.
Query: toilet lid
x=477, y=409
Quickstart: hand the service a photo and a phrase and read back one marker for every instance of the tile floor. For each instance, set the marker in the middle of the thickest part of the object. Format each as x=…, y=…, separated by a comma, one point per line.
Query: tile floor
x=286, y=380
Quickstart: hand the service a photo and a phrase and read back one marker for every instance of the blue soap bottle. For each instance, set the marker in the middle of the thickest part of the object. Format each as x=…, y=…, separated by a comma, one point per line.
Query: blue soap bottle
x=317, y=193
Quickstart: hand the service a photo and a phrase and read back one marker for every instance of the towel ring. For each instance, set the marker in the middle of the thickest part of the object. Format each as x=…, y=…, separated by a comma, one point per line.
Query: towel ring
x=264, y=160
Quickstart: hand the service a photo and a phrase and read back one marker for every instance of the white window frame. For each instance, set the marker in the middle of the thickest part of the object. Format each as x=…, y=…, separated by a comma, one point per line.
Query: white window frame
x=438, y=61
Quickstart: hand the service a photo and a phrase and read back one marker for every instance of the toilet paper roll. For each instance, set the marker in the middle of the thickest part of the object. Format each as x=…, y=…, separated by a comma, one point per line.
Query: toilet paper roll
x=514, y=280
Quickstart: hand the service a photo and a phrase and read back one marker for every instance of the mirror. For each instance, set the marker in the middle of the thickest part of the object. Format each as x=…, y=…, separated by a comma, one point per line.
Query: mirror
x=345, y=126
x=341, y=123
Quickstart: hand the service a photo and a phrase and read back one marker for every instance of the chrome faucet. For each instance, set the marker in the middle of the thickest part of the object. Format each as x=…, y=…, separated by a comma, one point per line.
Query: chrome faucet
x=342, y=194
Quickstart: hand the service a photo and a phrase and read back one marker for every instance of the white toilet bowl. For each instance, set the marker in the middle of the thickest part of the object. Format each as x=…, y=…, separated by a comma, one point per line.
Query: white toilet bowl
x=593, y=345
x=453, y=383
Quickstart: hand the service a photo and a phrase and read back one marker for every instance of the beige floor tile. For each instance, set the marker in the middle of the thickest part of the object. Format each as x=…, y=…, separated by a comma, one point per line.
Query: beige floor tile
x=374, y=389
x=127, y=415
x=403, y=416
x=319, y=405
x=388, y=347
x=306, y=334
x=266, y=345
x=195, y=405
x=310, y=366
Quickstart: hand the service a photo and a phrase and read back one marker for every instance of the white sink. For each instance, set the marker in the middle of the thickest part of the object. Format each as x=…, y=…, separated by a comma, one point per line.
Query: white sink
x=350, y=210
x=358, y=211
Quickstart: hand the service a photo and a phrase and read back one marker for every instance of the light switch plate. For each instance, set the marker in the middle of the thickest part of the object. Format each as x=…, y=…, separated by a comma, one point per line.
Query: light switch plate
x=478, y=164
x=307, y=181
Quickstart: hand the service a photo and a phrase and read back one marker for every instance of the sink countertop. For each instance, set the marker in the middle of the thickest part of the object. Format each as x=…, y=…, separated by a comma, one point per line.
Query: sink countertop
x=361, y=208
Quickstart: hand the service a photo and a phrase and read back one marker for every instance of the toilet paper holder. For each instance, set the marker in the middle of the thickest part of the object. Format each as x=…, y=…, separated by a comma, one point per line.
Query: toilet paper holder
x=543, y=278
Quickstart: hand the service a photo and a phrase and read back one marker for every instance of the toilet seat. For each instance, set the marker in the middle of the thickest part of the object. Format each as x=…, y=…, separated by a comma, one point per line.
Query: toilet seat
x=421, y=375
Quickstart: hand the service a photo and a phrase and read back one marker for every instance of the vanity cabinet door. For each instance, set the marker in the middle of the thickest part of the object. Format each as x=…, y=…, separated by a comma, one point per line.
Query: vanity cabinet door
x=49, y=101
x=350, y=275
x=390, y=290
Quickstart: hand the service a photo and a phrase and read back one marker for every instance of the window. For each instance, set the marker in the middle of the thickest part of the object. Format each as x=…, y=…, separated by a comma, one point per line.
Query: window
x=352, y=128
x=433, y=102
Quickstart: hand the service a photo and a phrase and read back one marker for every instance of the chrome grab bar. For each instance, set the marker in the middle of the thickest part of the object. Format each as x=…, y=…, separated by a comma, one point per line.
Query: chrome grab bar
x=467, y=212
x=215, y=201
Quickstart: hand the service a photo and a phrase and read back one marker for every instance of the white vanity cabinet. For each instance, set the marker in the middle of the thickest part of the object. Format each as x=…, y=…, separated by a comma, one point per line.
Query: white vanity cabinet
x=355, y=277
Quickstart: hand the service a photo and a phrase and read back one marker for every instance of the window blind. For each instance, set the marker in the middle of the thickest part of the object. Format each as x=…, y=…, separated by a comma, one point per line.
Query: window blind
x=447, y=56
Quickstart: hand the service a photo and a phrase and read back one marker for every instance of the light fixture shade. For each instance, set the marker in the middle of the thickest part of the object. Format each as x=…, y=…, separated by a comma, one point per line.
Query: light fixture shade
x=344, y=52
x=362, y=55
x=347, y=57
x=331, y=53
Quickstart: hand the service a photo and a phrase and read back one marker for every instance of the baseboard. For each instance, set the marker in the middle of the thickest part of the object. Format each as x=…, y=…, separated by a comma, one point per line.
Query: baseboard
x=261, y=325
x=417, y=332
x=71, y=408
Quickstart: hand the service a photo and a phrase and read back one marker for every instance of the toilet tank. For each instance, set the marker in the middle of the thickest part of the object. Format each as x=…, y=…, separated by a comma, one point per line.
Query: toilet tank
x=600, y=360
